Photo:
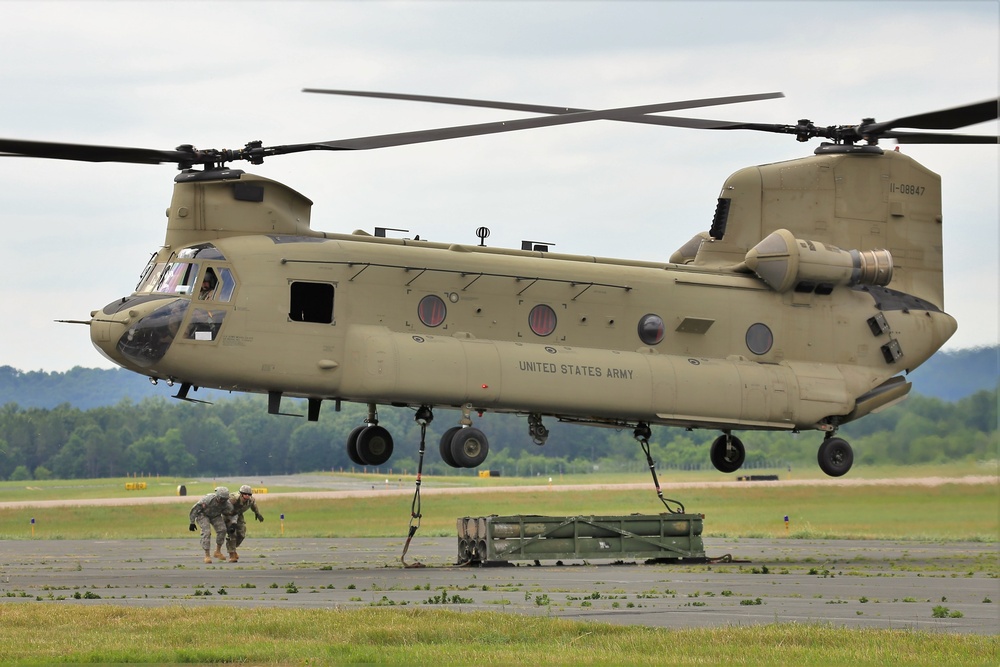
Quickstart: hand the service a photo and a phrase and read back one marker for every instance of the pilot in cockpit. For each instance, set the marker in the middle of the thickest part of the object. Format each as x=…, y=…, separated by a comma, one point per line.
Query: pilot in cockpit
x=208, y=285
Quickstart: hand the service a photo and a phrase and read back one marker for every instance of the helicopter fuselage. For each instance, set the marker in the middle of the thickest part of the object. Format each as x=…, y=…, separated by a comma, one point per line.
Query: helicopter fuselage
x=376, y=320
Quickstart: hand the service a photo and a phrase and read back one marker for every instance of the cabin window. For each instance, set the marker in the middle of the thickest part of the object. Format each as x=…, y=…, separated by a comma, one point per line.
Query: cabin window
x=431, y=310
x=651, y=329
x=311, y=302
x=759, y=338
x=542, y=320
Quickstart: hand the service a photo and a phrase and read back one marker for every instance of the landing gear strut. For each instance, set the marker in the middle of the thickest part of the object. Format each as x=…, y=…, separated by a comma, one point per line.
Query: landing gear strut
x=539, y=434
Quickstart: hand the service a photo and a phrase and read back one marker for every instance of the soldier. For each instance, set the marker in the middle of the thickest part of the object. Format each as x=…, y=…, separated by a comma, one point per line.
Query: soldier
x=208, y=513
x=240, y=502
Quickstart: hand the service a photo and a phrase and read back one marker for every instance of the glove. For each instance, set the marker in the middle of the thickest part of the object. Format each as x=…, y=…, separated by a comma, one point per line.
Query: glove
x=260, y=517
x=231, y=529
x=192, y=527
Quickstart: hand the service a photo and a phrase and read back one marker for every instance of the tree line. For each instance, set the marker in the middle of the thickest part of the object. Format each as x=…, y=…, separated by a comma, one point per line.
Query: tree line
x=237, y=437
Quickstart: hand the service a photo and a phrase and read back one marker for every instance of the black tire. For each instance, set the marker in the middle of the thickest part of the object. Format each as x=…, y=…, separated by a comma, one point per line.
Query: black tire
x=835, y=457
x=444, y=446
x=728, y=453
x=352, y=446
x=469, y=447
x=374, y=445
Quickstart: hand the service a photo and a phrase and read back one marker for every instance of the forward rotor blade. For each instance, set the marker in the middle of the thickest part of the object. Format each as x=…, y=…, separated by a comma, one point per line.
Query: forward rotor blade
x=621, y=113
x=87, y=153
x=187, y=156
x=671, y=121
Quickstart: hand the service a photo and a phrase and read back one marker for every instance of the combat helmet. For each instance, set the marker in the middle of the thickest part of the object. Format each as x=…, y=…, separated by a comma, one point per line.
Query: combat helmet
x=246, y=489
x=222, y=492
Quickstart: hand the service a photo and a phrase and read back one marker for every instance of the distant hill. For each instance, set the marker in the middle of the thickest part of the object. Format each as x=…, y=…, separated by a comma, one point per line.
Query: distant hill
x=948, y=376
x=83, y=388
x=954, y=375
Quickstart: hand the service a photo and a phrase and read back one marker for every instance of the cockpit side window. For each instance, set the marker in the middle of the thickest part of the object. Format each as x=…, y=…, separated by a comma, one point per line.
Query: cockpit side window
x=217, y=284
x=228, y=285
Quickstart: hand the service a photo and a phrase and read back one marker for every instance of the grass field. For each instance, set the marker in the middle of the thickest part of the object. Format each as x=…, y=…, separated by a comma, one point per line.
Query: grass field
x=948, y=511
x=46, y=634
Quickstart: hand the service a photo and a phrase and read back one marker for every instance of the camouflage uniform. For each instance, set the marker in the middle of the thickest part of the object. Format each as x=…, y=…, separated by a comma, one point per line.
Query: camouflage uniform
x=209, y=513
x=241, y=502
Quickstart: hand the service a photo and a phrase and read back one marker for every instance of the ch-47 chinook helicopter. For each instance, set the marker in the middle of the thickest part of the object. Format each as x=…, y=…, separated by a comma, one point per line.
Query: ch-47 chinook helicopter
x=816, y=287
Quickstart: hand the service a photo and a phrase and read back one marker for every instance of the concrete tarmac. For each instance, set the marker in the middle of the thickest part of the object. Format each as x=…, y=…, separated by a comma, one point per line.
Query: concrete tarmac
x=953, y=588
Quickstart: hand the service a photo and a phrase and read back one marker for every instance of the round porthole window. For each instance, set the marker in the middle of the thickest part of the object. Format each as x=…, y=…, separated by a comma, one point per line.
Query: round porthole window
x=542, y=320
x=759, y=338
x=651, y=329
x=432, y=310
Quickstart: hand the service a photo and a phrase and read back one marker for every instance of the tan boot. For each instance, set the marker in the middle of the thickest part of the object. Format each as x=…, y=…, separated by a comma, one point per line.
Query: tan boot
x=233, y=557
x=208, y=559
x=218, y=553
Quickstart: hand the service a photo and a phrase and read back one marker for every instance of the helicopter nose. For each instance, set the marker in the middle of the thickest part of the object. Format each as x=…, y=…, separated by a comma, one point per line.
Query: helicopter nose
x=135, y=332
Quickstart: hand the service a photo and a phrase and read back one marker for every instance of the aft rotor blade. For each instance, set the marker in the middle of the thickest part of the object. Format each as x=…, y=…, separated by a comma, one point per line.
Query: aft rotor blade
x=931, y=138
x=458, y=101
x=945, y=119
x=421, y=136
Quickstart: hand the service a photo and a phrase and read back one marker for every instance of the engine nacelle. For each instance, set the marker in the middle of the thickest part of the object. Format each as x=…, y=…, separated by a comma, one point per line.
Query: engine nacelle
x=785, y=262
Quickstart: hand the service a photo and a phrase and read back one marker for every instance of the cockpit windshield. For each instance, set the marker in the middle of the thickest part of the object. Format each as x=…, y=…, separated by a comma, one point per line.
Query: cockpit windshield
x=179, y=275
x=177, y=278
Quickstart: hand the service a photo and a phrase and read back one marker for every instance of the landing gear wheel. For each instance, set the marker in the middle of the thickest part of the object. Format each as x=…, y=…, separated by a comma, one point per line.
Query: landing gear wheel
x=374, y=445
x=352, y=446
x=444, y=447
x=469, y=447
x=835, y=457
x=728, y=453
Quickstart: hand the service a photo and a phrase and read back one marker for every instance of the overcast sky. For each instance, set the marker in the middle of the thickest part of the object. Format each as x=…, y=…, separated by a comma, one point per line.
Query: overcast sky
x=219, y=74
